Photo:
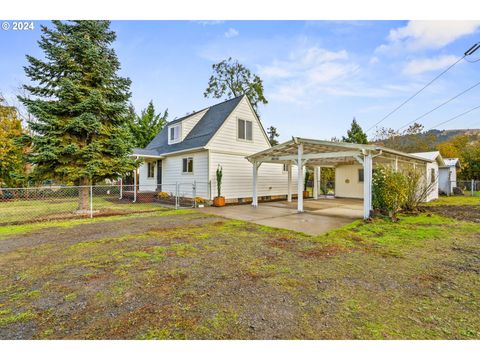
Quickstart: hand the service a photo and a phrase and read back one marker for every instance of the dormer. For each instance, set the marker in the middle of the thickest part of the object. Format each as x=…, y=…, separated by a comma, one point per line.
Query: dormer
x=179, y=130
x=175, y=133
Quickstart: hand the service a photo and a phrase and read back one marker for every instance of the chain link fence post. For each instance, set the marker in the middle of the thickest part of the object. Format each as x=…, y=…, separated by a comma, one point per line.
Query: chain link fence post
x=194, y=193
x=91, y=201
x=176, y=196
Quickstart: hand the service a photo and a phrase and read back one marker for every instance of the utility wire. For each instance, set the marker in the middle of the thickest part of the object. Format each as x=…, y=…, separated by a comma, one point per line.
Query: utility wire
x=418, y=92
x=455, y=117
x=439, y=106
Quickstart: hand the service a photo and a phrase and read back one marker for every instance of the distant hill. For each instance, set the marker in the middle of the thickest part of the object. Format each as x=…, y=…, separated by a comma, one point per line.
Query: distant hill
x=426, y=141
x=444, y=135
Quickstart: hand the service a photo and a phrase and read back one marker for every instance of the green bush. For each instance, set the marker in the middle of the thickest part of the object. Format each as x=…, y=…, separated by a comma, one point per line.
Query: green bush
x=389, y=191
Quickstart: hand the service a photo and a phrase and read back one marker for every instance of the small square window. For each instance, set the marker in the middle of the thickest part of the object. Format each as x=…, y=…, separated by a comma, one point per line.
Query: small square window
x=360, y=175
x=187, y=165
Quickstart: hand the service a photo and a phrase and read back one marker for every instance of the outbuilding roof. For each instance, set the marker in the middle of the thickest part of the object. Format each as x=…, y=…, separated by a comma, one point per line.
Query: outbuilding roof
x=431, y=155
x=450, y=162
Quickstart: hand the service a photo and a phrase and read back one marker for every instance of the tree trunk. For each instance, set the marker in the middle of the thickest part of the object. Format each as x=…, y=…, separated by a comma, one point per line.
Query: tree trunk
x=84, y=195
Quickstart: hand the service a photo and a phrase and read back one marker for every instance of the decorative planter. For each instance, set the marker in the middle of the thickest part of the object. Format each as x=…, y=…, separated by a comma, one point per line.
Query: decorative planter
x=219, y=201
x=306, y=194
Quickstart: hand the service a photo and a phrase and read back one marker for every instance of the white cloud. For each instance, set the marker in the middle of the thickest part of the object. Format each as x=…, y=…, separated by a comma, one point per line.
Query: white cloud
x=417, y=35
x=419, y=66
x=231, y=33
x=308, y=72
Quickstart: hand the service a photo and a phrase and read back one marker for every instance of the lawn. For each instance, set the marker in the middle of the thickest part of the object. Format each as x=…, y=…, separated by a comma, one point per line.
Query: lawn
x=20, y=211
x=187, y=275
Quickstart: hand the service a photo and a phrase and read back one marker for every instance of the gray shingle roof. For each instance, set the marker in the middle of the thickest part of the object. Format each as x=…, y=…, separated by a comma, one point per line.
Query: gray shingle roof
x=201, y=133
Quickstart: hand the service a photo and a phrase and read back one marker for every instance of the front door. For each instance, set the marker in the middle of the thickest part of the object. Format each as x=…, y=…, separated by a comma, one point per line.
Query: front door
x=159, y=175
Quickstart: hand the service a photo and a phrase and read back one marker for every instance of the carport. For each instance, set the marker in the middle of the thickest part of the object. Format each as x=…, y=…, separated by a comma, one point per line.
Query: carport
x=318, y=153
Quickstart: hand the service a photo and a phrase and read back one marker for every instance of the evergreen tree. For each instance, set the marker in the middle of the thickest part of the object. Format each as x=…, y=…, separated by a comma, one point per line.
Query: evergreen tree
x=232, y=79
x=80, y=104
x=272, y=135
x=355, y=134
x=147, y=125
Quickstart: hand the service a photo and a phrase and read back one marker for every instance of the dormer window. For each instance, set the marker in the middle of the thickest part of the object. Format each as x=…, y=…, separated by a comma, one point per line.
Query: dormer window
x=174, y=134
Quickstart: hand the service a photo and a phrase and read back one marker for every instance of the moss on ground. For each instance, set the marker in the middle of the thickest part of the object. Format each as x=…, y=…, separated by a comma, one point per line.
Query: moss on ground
x=192, y=276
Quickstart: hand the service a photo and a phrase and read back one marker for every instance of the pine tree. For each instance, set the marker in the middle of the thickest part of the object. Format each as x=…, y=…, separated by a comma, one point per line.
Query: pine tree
x=272, y=135
x=147, y=125
x=355, y=134
x=80, y=103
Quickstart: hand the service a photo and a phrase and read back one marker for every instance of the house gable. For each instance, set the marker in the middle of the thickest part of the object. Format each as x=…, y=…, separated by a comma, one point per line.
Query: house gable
x=226, y=137
x=197, y=129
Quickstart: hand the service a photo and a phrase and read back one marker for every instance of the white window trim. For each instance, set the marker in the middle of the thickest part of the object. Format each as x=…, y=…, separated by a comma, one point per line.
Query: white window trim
x=179, y=134
x=244, y=140
x=187, y=173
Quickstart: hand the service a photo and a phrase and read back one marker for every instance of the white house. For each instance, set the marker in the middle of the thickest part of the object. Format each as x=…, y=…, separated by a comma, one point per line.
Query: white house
x=432, y=171
x=447, y=175
x=190, y=149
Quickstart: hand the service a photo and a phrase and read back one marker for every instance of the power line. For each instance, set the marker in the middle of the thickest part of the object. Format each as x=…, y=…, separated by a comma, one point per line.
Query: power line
x=469, y=52
x=455, y=117
x=439, y=106
x=418, y=92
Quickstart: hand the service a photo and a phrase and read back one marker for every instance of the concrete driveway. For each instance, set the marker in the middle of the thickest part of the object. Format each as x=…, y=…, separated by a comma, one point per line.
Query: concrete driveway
x=319, y=217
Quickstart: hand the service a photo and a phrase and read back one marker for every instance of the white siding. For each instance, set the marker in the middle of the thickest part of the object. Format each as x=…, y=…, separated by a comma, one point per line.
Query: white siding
x=146, y=183
x=172, y=174
x=434, y=192
x=237, y=181
x=346, y=181
x=226, y=138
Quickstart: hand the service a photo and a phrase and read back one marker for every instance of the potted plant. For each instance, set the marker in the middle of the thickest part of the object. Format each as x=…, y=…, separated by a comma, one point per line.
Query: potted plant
x=219, y=200
x=305, y=184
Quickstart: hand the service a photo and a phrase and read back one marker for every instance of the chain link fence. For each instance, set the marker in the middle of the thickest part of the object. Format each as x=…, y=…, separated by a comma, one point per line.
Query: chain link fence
x=465, y=187
x=23, y=205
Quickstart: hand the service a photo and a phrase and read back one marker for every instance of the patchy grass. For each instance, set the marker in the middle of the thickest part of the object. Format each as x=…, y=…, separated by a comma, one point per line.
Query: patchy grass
x=187, y=275
x=24, y=211
x=456, y=200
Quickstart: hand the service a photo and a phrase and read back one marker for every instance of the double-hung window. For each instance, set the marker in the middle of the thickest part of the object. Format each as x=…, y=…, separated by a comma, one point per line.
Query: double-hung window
x=150, y=169
x=245, y=130
x=360, y=175
x=174, y=134
x=187, y=165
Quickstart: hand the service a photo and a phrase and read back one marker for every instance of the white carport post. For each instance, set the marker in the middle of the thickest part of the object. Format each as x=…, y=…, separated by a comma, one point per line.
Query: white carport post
x=367, y=184
x=255, y=184
x=315, y=182
x=300, y=179
x=289, y=193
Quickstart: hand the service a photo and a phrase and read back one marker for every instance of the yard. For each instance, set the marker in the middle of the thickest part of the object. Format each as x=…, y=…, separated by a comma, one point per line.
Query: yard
x=188, y=275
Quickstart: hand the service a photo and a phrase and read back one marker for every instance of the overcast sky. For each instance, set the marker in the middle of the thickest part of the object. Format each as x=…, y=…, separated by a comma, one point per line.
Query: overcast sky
x=317, y=75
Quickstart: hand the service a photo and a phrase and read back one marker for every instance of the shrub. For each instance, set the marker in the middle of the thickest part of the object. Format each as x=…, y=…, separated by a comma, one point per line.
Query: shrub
x=389, y=191
x=416, y=189
x=199, y=200
x=163, y=195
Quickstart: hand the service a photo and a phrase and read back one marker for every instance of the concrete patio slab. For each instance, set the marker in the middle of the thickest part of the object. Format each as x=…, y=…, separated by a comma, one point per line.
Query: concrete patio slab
x=320, y=216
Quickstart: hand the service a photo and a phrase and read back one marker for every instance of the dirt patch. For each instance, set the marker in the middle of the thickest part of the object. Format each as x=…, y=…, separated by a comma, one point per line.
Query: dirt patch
x=459, y=212
x=94, y=231
x=324, y=252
